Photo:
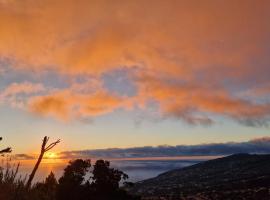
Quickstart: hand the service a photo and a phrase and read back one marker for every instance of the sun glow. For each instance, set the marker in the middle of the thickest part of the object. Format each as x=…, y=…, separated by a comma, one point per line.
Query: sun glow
x=51, y=155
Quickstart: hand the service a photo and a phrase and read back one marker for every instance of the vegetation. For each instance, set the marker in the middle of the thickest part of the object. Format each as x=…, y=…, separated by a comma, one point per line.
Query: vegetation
x=80, y=181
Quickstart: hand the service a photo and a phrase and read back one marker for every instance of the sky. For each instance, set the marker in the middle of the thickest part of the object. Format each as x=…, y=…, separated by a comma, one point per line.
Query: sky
x=120, y=74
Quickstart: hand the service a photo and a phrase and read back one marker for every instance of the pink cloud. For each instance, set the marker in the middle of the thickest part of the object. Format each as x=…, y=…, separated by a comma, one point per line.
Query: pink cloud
x=22, y=88
x=11, y=93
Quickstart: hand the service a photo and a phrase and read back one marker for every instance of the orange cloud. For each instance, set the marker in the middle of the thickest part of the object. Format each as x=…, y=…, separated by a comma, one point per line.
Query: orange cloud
x=66, y=105
x=96, y=36
x=194, y=103
x=187, y=54
x=50, y=105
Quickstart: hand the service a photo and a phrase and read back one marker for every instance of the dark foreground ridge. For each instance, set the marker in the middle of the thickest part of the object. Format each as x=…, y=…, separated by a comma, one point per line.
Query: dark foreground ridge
x=239, y=176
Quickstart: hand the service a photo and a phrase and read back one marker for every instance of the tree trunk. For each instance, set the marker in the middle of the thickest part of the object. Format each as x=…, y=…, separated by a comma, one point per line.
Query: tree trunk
x=44, y=149
x=32, y=175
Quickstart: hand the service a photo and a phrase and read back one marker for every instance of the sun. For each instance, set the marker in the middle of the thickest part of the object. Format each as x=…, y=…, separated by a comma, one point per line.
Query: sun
x=51, y=155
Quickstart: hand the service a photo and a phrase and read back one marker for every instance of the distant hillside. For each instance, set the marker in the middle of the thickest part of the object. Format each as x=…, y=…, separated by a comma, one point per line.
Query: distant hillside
x=240, y=176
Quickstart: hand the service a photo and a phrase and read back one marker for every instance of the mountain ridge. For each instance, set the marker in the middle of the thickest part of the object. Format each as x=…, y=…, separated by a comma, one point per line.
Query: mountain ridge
x=230, y=177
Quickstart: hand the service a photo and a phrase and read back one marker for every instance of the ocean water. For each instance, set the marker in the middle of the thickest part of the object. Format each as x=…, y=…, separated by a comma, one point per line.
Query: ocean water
x=137, y=168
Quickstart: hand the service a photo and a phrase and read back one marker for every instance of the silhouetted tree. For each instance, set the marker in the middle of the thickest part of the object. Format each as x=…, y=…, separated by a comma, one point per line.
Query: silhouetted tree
x=71, y=183
x=45, y=190
x=50, y=186
x=51, y=180
x=106, y=178
x=106, y=182
x=43, y=150
x=6, y=150
x=77, y=184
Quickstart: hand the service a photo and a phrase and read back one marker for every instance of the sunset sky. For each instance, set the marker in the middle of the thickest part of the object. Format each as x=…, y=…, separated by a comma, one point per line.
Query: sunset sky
x=126, y=73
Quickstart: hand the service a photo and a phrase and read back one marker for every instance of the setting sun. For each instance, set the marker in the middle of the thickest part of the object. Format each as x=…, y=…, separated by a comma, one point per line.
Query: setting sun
x=51, y=155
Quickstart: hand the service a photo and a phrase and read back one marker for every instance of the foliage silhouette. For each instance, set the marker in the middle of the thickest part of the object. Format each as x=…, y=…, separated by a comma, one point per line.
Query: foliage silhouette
x=71, y=183
x=46, y=190
x=76, y=183
x=12, y=187
x=79, y=182
x=106, y=181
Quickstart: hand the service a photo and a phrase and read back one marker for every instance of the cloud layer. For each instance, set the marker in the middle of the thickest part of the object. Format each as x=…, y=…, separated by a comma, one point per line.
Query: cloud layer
x=194, y=59
x=255, y=146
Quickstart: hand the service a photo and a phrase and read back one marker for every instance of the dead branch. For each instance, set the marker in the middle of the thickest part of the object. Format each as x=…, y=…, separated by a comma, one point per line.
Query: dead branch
x=6, y=150
x=43, y=150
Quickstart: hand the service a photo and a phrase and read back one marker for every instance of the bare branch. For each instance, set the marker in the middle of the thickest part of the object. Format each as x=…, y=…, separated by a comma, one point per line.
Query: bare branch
x=42, y=151
x=52, y=145
x=6, y=150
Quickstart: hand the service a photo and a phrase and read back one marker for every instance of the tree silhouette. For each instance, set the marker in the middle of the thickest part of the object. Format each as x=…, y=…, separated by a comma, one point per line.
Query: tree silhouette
x=51, y=180
x=71, y=183
x=45, y=190
x=43, y=150
x=50, y=186
x=76, y=183
x=6, y=150
x=107, y=179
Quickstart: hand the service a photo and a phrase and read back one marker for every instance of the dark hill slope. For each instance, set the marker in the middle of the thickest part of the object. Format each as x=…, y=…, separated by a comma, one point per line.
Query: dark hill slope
x=240, y=176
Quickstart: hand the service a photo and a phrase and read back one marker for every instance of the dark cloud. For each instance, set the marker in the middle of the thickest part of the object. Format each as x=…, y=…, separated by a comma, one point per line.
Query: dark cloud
x=254, y=146
x=254, y=122
x=259, y=146
x=23, y=157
